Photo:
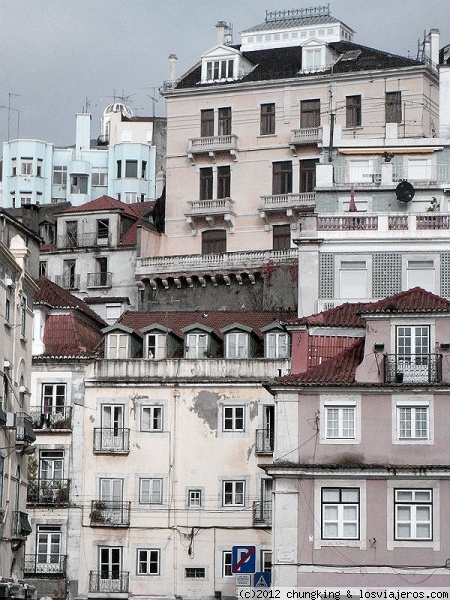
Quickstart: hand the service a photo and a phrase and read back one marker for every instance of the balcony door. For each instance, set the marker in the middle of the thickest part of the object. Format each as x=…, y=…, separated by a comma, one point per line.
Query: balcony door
x=413, y=352
x=110, y=569
x=111, y=494
x=112, y=427
x=48, y=549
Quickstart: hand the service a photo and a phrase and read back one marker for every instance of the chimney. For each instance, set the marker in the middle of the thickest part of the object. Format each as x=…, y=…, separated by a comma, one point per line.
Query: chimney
x=434, y=46
x=173, y=67
x=222, y=29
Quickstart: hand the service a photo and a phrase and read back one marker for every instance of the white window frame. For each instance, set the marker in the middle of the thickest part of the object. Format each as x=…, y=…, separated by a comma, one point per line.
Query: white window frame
x=360, y=543
x=154, y=494
x=49, y=538
x=145, y=558
x=413, y=503
x=399, y=402
x=26, y=166
x=196, y=577
x=339, y=505
x=157, y=349
x=237, y=345
x=434, y=543
x=227, y=563
x=277, y=344
x=118, y=349
x=193, y=348
x=154, y=420
x=59, y=176
x=422, y=271
x=195, y=497
x=234, y=488
x=99, y=177
x=231, y=418
x=358, y=269
x=340, y=403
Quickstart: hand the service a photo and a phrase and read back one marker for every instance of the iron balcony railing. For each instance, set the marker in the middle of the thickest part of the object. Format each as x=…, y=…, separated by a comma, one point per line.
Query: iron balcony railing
x=46, y=565
x=68, y=281
x=110, y=513
x=20, y=527
x=59, y=418
x=264, y=441
x=83, y=240
x=102, y=279
x=115, y=439
x=109, y=580
x=48, y=491
x=262, y=513
x=413, y=368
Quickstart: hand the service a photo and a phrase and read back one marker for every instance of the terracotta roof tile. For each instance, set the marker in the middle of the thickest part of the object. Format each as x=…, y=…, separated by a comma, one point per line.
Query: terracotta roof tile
x=67, y=336
x=129, y=238
x=104, y=203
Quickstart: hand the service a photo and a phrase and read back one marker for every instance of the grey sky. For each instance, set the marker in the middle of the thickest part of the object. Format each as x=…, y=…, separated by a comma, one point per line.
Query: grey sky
x=58, y=54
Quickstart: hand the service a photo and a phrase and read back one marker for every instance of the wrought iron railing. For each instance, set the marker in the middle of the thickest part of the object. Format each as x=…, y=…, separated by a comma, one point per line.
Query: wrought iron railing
x=110, y=580
x=264, y=441
x=262, y=513
x=83, y=240
x=115, y=439
x=48, y=491
x=68, y=281
x=110, y=513
x=102, y=279
x=413, y=368
x=47, y=565
x=59, y=418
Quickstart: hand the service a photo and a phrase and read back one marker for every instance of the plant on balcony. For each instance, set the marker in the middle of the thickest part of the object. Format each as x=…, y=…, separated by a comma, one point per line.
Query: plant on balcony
x=434, y=205
x=62, y=424
x=96, y=516
x=62, y=495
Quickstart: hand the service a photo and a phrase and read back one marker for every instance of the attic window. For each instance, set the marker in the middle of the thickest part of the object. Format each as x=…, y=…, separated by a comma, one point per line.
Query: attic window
x=350, y=55
x=219, y=70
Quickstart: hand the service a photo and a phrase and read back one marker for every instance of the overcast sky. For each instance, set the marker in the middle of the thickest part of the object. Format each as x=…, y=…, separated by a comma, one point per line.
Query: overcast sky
x=56, y=56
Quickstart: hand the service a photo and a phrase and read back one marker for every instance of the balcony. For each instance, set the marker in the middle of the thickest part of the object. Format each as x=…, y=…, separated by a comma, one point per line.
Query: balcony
x=212, y=145
x=45, y=565
x=426, y=175
x=264, y=441
x=102, y=279
x=413, y=368
x=21, y=527
x=262, y=513
x=49, y=492
x=110, y=513
x=85, y=240
x=345, y=223
x=68, y=281
x=304, y=137
x=357, y=176
x=110, y=581
x=289, y=204
x=115, y=440
x=24, y=429
x=210, y=210
x=61, y=418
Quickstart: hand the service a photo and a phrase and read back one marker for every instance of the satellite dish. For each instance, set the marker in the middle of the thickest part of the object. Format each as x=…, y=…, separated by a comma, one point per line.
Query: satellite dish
x=405, y=191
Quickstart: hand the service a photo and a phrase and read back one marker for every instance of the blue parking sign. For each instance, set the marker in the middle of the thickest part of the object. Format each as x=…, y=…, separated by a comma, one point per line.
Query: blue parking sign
x=243, y=559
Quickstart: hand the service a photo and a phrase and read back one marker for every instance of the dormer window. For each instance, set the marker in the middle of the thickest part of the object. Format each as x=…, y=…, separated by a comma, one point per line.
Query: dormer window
x=196, y=345
x=117, y=345
x=155, y=346
x=217, y=70
x=237, y=345
x=277, y=344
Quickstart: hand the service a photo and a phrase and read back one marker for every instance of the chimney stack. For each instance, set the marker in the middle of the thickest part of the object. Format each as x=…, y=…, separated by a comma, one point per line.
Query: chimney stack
x=173, y=67
x=222, y=29
x=434, y=46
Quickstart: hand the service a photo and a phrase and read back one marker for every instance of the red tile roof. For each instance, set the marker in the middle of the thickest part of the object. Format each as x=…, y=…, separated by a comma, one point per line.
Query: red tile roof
x=69, y=336
x=56, y=297
x=129, y=238
x=215, y=320
x=104, y=203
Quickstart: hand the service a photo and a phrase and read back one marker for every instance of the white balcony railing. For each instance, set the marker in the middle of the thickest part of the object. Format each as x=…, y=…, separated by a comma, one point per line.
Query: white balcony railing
x=423, y=222
x=255, y=259
x=309, y=135
x=212, y=143
x=210, y=207
x=425, y=174
x=286, y=201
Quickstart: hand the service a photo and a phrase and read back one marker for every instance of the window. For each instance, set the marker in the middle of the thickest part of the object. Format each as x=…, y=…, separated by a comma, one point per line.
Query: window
x=308, y=175
x=412, y=422
x=224, y=121
x=277, y=345
x=111, y=492
x=48, y=546
x=195, y=572
x=206, y=183
x=118, y=345
x=8, y=306
x=71, y=233
x=59, y=175
x=227, y=563
x=340, y=513
x=78, y=184
x=413, y=514
x=114, y=437
x=282, y=177
x=13, y=167
x=23, y=315
x=214, y=241
x=26, y=198
x=99, y=177
x=393, y=107
x=150, y=491
x=51, y=465
x=69, y=279
x=53, y=398
x=131, y=168
x=421, y=273
x=233, y=418
x=196, y=345
x=340, y=422
x=195, y=498
x=281, y=237
x=313, y=59
x=144, y=169
x=101, y=276
x=156, y=346
x=207, y=123
x=233, y=493
x=267, y=119
x=110, y=559
x=39, y=167
x=353, y=111
x=152, y=418
x=130, y=197
x=26, y=166
x=266, y=561
x=353, y=279
x=102, y=229
x=47, y=233
x=148, y=562
x=309, y=114
x=237, y=345
x=219, y=69
x=119, y=169
x=223, y=182
x=413, y=347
